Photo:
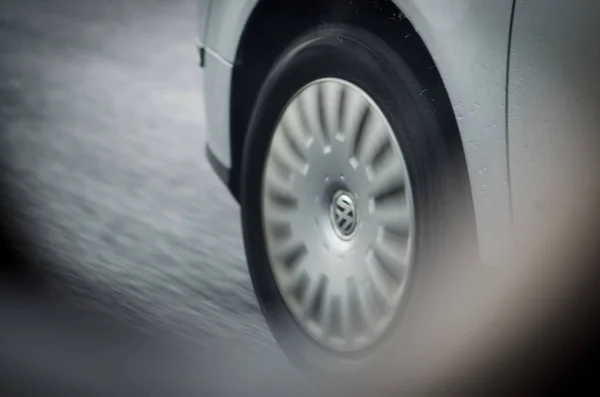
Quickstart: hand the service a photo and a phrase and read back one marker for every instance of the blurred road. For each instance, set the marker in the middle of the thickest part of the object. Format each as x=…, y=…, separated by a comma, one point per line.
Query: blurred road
x=102, y=142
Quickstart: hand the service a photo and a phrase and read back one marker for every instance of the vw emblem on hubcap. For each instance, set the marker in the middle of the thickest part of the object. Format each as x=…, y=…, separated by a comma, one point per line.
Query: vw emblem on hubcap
x=343, y=214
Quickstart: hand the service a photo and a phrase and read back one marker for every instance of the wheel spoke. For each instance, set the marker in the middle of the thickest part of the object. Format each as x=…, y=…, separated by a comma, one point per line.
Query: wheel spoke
x=294, y=134
x=355, y=118
x=290, y=255
x=345, y=320
x=357, y=308
x=373, y=138
x=335, y=317
x=287, y=157
x=279, y=230
x=295, y=119
x=382, y=281
x=374, y=301
x=279, y=192
x=387, y=182
x=327, y=315
x=332, y=96
x=396, y=247
x=317, y=301
x=299, y=286
x=277, y=177
x=311, y=104
x=369, y=310
x=389, y=260
x=393, y=215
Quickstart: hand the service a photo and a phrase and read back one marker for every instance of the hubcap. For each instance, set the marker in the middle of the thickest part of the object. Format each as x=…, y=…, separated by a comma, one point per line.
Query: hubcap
x=338, y=215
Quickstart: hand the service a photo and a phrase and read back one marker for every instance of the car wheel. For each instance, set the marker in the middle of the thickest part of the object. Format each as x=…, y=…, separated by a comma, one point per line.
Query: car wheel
x=351, y=172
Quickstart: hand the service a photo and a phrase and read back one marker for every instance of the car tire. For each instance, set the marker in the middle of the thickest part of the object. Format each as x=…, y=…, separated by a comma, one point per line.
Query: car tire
x=409, y=94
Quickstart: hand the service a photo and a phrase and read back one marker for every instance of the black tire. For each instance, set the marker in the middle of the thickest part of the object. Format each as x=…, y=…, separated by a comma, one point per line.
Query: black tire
x=412, y=97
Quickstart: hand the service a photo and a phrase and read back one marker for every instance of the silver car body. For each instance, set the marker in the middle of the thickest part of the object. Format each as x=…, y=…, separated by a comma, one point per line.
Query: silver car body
x=496, y=58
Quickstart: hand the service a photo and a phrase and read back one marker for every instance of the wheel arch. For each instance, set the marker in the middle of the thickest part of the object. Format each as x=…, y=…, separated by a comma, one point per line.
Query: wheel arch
x=473, y=72
x=289, y=19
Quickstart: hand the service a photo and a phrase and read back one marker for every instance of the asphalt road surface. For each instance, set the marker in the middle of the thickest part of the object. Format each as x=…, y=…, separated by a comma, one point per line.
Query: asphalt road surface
x=103, y=170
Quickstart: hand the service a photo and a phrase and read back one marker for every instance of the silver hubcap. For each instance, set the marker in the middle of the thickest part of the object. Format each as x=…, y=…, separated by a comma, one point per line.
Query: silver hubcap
x=338, y=215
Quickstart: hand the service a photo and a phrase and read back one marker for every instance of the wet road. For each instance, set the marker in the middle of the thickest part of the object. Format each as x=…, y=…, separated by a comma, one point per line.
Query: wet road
x=102, y=140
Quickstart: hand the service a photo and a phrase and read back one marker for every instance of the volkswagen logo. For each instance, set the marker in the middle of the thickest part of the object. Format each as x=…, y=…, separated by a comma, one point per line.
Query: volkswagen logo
x=343, y=214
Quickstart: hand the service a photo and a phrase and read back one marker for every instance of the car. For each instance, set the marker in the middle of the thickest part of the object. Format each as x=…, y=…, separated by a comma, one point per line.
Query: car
x=366, y=140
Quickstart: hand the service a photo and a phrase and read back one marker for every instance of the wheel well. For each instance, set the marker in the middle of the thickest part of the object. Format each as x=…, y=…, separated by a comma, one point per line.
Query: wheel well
x=274, y=24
